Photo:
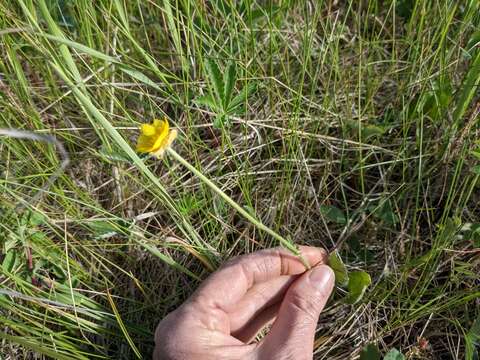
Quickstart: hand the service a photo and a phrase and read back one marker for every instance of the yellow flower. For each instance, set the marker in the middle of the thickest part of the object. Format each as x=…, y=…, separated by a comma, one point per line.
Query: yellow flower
x=155, y=138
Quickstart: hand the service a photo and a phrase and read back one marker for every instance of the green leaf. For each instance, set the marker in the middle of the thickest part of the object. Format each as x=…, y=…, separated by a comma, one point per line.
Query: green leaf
x=11, y=241
x=113, y=155
x=474, y=235
x=338, y=267
x=472, y=341
x=384, y=212
x=220, y=121
x=476, y=169
x=333, y=213
x=372, y=130
x=367, y=130
x=358, y=282
x=358, y=251
x=107, y=229
x=370, y=352
x=216, y=80
x=36, y=218
x=242, y=98
x=9, y=260
x=394, y=354
x=437, y=101
x=229, y=80
x=208, y=101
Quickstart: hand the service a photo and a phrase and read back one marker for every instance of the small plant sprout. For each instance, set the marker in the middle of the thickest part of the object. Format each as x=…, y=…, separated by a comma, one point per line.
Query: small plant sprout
x=156, y=139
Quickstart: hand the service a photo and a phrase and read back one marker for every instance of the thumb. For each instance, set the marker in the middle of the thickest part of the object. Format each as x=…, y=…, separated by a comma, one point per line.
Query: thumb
x=293, y=332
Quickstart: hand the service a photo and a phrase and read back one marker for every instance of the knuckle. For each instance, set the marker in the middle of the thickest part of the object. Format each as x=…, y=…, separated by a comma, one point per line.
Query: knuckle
x=324, y=252
x=306, y=307
x=284, y=263
x=266, y=264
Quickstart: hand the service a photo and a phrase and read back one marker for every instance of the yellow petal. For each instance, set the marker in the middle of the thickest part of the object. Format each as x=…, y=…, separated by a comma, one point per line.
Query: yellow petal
x=160, y=125
x=148, y=129
x=144, y=144
x=165, y=144
x=159, y=140
x=156, y=137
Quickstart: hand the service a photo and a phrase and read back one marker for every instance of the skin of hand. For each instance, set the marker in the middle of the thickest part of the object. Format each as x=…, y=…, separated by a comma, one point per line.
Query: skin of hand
x=221, y=319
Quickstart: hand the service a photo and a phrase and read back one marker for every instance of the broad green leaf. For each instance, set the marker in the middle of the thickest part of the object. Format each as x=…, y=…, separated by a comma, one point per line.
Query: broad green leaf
x=372, y=130
x=215, y=78
x=229, y=79
x=208, y=101
x=11, y=241
x=476, y=169
x=338, y=267
x=394, y=354
x=438, y=100
x=32, y=218
x=384, y=212
x=333, y=213
x=106, y=229
x=367, y=130
x=472, y=341
x=241, y=98
x=358, y=281
x=35, y=218
x=475, y=235
x=113, y=155
x=370, y=352
x=359, y=251
x=38, y=236
x=9, y=260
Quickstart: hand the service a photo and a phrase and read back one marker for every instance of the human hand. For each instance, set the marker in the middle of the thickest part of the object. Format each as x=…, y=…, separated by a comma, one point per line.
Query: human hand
x=233, y=304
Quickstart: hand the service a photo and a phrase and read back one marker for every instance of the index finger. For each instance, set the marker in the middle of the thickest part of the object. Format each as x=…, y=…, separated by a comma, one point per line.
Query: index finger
x=225, y=287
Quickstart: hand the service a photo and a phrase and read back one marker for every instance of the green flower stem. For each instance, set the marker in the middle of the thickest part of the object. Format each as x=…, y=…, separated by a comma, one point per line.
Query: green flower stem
x=284, y=242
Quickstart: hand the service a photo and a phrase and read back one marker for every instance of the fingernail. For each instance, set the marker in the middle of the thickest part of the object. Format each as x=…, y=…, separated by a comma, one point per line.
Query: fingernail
x=322, y=277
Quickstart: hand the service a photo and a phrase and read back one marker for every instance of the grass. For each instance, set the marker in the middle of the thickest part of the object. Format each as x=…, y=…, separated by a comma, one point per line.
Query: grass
x=355, y=128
